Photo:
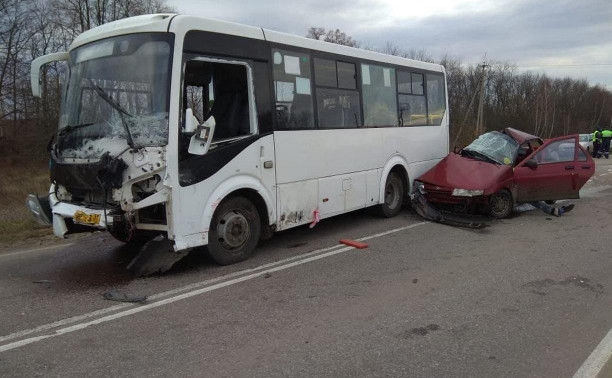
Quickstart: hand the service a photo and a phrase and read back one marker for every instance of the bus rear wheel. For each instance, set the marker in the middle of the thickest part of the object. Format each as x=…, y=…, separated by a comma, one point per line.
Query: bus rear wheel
x=393, y=196
x=235, y=231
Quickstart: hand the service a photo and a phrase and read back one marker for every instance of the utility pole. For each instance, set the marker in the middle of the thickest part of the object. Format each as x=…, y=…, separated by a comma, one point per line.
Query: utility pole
x=480, y=116
x=479, y=89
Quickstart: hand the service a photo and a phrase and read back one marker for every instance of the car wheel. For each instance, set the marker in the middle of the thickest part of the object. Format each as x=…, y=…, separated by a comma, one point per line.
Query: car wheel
x=500, y=204
x=394, y=194
x=234, y=232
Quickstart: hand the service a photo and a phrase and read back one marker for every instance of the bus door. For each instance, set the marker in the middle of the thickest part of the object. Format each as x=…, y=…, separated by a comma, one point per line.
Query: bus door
x=237, y=156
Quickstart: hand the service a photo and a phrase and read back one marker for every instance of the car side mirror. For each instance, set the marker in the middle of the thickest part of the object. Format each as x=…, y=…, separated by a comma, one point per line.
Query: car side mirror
x=531, y=164
x=201, y=139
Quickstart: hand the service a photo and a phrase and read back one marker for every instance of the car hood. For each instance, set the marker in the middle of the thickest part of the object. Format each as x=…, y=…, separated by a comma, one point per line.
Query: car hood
x=457, y=171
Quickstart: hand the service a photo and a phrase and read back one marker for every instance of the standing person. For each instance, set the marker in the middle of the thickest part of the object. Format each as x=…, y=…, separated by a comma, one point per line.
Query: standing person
x=596, y=143
x=606, y=137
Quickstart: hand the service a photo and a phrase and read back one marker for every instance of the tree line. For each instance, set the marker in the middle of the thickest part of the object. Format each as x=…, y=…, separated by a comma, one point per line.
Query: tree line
x=33, y=28
x=531, y=102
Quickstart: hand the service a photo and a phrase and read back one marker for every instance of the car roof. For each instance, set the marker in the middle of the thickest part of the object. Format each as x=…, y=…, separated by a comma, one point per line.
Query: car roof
x=520, y=136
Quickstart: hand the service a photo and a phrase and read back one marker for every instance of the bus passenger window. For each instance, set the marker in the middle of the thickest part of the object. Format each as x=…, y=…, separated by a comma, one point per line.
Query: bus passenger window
x=337, y=96
x=436, y=98
x=379, y=101
x=338, y=108
x=292, y=89
x=411, y=99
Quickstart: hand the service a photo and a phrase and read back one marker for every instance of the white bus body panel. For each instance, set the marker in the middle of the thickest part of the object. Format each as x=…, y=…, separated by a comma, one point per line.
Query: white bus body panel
x=194, y=205
x=340, y=170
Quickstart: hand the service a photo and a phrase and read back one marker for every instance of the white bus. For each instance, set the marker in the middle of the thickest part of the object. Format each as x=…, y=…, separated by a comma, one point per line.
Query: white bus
x=217, y=134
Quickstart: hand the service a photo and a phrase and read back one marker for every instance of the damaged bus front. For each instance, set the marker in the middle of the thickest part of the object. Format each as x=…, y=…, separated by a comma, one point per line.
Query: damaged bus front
x=108, y=157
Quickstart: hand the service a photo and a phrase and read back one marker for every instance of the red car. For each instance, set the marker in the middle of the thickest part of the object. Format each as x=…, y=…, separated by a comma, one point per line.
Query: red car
x=500, y=169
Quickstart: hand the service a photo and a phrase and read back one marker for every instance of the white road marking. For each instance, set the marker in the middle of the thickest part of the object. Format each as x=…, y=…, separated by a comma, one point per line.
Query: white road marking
x=173, y=295
x=196, y=285
x=35, y=250
x=597, y=360
x=603, y=174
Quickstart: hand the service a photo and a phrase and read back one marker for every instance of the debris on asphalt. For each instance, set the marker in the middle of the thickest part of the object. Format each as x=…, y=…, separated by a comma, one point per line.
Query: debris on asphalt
x=43, y=281
x=114, y=295
x=267, y=275
x=415, y=280
x=353, y=243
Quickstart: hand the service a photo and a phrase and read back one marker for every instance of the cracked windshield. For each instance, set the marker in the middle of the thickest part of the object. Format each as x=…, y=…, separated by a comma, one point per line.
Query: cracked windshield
x=116, y=96
x=494, y=147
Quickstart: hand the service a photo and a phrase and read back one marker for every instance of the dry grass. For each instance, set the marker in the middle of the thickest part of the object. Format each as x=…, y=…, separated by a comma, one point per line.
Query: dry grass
x=19, y=178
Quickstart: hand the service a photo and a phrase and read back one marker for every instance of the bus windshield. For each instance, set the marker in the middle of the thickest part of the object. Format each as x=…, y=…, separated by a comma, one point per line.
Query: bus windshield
x=116, y=95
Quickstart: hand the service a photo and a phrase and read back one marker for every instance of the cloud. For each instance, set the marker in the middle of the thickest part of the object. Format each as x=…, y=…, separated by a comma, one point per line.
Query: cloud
x=528, y=33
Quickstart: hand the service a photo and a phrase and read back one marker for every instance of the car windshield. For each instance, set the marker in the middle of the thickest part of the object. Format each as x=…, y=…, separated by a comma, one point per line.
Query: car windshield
x=494, y=147
x=116, y=94
x=585, y=137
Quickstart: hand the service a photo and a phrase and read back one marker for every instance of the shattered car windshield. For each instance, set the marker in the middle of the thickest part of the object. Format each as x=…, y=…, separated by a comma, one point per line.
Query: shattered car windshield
x=116, y=85
x=494, y=147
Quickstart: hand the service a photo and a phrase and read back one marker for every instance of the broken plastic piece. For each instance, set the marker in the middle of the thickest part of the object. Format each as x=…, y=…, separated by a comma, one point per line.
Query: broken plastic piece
x=156, y=256
x=353, y=243
x=122, y=297
x=429, y=212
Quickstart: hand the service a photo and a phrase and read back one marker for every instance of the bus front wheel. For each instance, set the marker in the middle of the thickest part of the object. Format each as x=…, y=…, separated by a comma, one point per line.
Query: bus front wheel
x=234, y=232
x=393, y=196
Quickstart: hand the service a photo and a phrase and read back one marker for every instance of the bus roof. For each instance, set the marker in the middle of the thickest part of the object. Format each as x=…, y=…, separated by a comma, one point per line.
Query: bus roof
x=183, y=23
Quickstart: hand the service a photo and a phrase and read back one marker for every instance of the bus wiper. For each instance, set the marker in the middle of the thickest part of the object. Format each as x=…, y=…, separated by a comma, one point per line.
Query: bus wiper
x=70, y=128
x=118, y=108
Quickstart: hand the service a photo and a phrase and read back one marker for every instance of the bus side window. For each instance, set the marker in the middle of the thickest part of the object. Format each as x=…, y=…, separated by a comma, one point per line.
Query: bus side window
x=219, y=90
x=292, y=90
x=436, y=100
x=337, y=95
x=379, y=101
x=411, y=99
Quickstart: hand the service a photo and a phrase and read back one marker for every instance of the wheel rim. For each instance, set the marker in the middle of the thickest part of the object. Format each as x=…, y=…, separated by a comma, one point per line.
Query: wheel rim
x=499, y=204
x=233, y=230
x=391, y=194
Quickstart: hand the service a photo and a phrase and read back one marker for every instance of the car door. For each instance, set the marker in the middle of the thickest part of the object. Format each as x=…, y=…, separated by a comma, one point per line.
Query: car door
x=552, y=172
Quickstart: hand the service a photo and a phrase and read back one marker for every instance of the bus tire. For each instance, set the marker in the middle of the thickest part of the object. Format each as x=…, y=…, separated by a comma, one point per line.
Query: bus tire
x=501, y=204
x=393, y=196
x=234, y=231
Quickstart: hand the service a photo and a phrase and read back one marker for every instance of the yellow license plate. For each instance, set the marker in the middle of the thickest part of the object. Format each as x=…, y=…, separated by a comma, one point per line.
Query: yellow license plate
x=83, y=217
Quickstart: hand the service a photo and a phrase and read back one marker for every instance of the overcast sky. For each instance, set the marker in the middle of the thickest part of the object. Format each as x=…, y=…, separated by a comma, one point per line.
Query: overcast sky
x=560, y=37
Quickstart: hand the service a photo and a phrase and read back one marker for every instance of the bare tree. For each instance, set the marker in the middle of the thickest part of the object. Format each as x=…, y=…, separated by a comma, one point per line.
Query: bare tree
x=333, y=36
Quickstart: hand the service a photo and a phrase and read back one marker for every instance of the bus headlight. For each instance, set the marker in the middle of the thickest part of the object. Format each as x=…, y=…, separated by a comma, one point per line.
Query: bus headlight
x=467, y=193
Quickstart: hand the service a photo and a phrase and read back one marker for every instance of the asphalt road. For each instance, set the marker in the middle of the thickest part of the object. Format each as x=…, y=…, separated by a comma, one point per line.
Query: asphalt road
x=528, y=297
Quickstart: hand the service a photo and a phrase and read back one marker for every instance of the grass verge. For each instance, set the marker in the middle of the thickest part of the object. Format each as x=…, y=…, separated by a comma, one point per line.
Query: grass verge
x=18, y=179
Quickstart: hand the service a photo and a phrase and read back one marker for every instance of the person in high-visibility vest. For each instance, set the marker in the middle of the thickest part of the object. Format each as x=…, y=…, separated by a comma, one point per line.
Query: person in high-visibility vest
x=597, y=143
x=606, y=137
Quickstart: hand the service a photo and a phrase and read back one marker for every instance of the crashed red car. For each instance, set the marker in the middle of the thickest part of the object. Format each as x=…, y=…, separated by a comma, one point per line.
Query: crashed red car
x=500, y=169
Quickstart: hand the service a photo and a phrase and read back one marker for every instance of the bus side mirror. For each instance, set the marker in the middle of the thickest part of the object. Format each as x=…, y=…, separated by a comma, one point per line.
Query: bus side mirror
x=531, y=164
x=191, y=122
x=38, y=63
x=201, y=139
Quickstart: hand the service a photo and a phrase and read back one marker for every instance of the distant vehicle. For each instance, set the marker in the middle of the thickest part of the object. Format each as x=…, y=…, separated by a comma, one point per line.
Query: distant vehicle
x=586, y=141
x=191, y=132
x=500, y=169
